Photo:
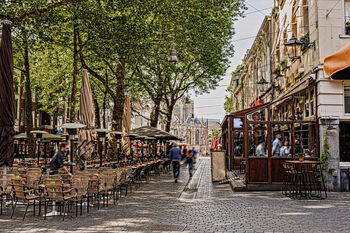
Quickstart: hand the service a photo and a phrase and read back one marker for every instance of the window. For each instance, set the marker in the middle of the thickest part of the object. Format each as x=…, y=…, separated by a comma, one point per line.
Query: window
x=347, y=99
x=347, y=16
x=305, y=17
x=344, y=139
x=294, y=20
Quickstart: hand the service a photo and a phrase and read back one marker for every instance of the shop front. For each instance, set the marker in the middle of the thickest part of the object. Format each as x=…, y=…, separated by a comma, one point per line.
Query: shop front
x=260, y=139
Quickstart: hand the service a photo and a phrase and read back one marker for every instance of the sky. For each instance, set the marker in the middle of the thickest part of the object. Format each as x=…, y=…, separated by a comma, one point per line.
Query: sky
x=212, y=105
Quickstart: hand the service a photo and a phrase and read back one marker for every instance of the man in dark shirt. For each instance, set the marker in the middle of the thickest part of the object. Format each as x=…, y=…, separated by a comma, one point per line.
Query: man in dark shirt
x=57, y=161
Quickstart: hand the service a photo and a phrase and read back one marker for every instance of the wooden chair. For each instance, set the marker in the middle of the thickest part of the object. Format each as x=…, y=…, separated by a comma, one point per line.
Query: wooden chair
x=5, y=189
x=22, y=194
x=80, y=185
x=57, y=192
x=93, y=189
x=107, y=185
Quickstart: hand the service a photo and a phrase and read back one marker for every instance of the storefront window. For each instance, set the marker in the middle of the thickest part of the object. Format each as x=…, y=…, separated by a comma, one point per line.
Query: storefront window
x=347, y=99
x=305, y=140
x=281, y=140
x=257, y=140
x=344, y=140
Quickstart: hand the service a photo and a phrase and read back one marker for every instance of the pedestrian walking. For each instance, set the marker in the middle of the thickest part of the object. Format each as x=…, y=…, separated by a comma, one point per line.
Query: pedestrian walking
x=184, y=152
x=189, y=161
x=175, y=157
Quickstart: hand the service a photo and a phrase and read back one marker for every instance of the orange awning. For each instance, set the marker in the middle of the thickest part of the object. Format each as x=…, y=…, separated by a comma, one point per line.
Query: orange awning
x=337, y=65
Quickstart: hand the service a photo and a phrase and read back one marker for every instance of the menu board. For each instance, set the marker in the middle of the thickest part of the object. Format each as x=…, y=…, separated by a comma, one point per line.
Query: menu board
x=218, y=168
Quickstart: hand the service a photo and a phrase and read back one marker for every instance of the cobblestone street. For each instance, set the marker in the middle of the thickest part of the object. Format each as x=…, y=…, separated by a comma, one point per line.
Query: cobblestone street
x=162, y=206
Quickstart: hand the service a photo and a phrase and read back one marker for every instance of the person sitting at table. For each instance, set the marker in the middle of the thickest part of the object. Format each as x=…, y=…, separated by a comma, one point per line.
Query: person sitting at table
x=298, y=148
x=285, y=150
x=57, y=161
x=260, y=149
x=276, y=145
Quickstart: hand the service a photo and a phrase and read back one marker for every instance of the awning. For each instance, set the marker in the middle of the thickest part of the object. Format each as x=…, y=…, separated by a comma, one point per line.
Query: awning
x=337, y=65
x=149, y=131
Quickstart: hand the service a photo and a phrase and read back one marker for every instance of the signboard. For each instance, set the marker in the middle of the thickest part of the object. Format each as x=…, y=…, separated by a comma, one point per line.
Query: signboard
x=218, y=165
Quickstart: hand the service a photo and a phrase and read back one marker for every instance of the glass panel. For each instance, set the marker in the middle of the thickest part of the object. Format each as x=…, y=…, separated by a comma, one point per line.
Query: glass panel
x=238, y=123
x=347, y=99
x=238, y=144
x=344, y=137
x=257, y=140
x=281, y=140
x=305, y=140
x=258, y=115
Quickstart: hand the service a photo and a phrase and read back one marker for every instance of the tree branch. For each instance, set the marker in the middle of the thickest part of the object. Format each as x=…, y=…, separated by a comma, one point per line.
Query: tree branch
x=41, y=10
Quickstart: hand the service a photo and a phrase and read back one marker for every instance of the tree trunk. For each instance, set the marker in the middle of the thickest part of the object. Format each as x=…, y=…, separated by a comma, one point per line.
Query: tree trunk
x=28, y=104
x=105, y=105
x=97, y=111
x=169, y=115
x=155, y=112
x=118, y=109
x=73, y=97
x=21, y=103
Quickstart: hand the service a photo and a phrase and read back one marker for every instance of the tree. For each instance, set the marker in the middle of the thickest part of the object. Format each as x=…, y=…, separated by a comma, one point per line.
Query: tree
x=19, y=11
x=24, y=14
x=202, y=38
x=117, y=44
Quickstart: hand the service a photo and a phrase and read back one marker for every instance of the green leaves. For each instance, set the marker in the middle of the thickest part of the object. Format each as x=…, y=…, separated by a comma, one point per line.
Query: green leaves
x=141, y=33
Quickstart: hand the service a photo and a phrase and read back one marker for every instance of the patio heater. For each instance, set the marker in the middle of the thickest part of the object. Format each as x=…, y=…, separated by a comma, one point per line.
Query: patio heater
x=101, y=134
x=72, y=129
x=46, y=142
x=132, y=137
x=38, y=134
x=118, y=136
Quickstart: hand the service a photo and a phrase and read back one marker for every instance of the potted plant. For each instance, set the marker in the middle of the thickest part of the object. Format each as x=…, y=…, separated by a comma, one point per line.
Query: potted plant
x=277, y=71
x=284, y=64
x=306, y=42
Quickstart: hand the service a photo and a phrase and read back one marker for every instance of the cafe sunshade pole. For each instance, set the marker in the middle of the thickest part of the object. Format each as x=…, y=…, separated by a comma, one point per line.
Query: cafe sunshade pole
x=7, y=97
x=86, y=116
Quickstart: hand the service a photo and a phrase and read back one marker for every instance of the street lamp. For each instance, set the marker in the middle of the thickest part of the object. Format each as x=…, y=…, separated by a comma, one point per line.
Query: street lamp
x=72, y=129
x=293, y=43
x=173, y=57
x=101, y=134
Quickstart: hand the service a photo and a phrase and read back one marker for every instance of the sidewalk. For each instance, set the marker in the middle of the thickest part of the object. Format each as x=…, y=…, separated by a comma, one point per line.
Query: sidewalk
x=199, y=206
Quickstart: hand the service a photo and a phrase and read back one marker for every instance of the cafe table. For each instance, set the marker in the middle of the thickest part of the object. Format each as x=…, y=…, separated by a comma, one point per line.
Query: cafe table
x=305, y=177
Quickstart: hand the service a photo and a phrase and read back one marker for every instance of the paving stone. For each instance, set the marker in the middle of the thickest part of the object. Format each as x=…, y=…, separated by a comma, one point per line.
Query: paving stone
x=156, y=207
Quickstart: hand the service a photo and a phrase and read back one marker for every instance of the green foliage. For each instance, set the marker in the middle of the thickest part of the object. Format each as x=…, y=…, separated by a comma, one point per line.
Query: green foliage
x=228, y=105
x=324, y=158
x=216, y=133
x=139, y=33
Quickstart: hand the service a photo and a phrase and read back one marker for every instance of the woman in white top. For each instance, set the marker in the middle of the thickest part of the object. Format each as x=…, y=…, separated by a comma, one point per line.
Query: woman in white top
x=285, y=150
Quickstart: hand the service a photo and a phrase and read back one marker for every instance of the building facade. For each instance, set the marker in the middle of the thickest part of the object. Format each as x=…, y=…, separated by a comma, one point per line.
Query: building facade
x=287, y=57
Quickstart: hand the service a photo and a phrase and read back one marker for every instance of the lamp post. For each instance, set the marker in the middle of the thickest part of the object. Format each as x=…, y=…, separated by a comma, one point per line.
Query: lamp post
x=72, y=129
x=101, y=134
